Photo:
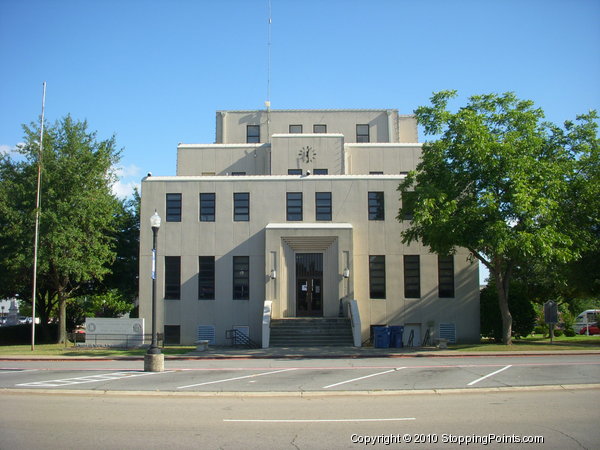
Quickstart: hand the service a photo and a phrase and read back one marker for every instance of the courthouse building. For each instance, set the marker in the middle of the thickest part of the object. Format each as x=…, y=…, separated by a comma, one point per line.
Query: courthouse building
x=294, y=214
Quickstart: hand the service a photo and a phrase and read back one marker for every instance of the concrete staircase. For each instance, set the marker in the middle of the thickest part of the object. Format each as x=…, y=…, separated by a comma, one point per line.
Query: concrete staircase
x=311, y=332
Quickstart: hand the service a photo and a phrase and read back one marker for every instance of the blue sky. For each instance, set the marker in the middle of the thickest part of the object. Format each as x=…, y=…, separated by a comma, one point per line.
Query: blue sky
x=153, y=72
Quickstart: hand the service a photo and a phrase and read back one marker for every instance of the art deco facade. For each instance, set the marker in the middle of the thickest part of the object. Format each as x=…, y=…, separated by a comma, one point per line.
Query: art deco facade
x=297, y=210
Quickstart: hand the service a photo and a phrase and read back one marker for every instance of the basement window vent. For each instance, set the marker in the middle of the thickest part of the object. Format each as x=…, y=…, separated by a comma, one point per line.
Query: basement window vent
x=207, y=333
x=448, y=331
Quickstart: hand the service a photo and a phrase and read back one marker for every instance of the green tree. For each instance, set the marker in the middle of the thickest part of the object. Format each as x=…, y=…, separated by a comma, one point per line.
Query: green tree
x=77, y=215
x=497, y=182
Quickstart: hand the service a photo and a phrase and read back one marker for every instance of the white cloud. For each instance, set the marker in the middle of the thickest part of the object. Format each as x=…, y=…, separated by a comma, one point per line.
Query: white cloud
x=11, y=150
x=127, y=171
x=124, y=189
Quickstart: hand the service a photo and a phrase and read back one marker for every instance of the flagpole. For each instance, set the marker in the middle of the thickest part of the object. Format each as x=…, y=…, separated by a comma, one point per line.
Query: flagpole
x=37, y=220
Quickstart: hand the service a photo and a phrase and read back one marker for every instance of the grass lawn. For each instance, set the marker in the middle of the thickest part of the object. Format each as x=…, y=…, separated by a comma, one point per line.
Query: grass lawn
x=535, y=342
x=59, y=350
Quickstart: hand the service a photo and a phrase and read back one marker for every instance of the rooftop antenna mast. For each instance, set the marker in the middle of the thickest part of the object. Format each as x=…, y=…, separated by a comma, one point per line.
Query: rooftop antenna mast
x=268, y=102
x=37, y=220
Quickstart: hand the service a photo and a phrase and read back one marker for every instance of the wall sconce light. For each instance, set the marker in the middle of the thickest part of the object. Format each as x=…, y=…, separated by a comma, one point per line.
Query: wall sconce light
x=273, y=274
x=346, y=273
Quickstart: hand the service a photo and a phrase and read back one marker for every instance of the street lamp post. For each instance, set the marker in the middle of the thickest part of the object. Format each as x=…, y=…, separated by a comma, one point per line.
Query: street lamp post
x=154, y=360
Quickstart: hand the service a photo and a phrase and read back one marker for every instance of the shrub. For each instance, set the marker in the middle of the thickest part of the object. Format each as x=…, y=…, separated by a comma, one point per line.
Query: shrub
x=558, y=332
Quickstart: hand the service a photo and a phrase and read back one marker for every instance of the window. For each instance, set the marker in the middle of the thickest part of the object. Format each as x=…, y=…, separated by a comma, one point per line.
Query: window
x=237, y=174
x=252, y=134
x=241, y=278
x=319, y=128
x=294, y=171
x=377, y=276
x=241, y=206
x=323, y=205
x=412, y=276
x=172, y=334
x=321, y=171
x=294, y=206
x=446, y=276
x=376, y=172
x=408, y=205
x=173, y=207
x=295, y=129
x=362, y=133
x=207, y=207
x=172, y=277
x=206, y=278
x=376, y=206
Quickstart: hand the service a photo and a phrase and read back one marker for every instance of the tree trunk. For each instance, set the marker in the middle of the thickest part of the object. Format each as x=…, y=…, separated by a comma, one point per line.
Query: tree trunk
x=62, y=318
x=502, y=283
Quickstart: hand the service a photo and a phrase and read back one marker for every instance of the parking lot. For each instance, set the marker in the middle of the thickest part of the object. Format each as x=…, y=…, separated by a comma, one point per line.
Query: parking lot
x=304, y=375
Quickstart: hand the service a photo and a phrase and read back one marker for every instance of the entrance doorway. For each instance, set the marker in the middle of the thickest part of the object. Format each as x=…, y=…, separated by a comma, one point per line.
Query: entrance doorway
x=309, y=283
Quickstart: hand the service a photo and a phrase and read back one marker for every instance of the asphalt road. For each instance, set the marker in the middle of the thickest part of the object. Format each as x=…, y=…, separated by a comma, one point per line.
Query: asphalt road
x=561, y=419
x=304, y=375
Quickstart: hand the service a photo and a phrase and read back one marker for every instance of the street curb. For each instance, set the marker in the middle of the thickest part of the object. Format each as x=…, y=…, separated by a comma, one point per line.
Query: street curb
x=299, y=394
x=307, y=355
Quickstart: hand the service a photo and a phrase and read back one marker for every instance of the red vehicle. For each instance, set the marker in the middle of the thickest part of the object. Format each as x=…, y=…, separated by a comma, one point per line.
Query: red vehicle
x=594, y=329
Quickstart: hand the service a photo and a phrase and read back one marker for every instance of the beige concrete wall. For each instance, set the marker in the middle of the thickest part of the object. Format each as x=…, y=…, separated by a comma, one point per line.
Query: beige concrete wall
x=225, y=238
x=328, y=151
x=385, y=125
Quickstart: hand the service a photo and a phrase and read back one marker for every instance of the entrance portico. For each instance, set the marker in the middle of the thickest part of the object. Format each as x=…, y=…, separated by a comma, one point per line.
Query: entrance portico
x=308, y=264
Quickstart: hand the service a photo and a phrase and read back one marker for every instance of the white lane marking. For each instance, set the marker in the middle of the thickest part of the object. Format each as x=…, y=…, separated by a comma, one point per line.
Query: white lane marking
x=87, y=379
x=488, y=375
x=236, y=378
x=362, y=378
x=385, y=419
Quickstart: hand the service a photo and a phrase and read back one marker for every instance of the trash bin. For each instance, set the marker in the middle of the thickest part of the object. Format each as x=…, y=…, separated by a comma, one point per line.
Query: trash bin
x=396, y=333
x=382, y=337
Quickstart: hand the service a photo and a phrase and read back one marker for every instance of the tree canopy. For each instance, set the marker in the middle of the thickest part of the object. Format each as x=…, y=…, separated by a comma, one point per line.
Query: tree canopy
x=506, y=185
x=78, y=215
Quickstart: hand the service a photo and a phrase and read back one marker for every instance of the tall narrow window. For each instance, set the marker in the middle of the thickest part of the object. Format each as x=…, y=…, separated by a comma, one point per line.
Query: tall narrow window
x=295, y=129
x=294, y=206
x=323, y=205
x=241, y=278
x=172, y=277
x=362, y=133
x=412, y=276
x=446, y=276
x=377, y=276
x=172, y=334
x=319, y=128
x=376, y=206
x=206, y=278
x=207, y=206
x=173, y=207
x=252, y=134
x=241, y=206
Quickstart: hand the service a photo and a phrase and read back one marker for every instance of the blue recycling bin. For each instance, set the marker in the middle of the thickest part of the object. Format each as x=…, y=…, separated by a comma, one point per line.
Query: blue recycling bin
x=396, y=333
x=382, y=337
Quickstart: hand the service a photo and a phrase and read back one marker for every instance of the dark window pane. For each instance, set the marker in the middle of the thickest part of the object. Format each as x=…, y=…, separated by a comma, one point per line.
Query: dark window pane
x=362, y=133
x=172, y=334
x=253, y=134
x=412, y=276
x=377, y=276
x=206, y=278
x=376, y=206
x=323, y=205
x=319, y=128
x=295, y=129
x=173, y=207
x=207, y=206
x=446, y=276
x=294, y=206
x=408, y=205
x=238, y=174
x=294, y=171
x=241, y=278
x=241, y=206
x=172, y=277
x=321, y=171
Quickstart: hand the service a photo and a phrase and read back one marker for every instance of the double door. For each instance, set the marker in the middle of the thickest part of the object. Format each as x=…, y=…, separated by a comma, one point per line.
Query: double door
x=309, y=283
